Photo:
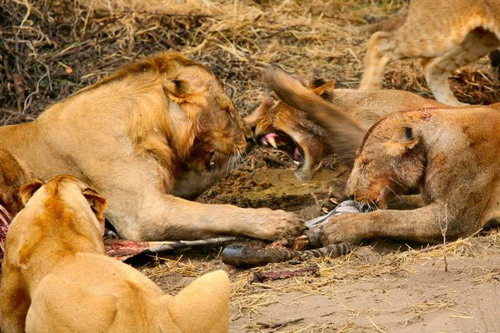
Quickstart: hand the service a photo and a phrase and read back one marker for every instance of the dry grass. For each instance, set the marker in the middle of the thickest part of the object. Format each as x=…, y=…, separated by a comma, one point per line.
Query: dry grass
x=50, y=48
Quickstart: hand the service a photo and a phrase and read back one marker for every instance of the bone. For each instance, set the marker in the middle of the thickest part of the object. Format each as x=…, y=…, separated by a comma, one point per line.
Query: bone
x=348, y=206
x=242, y=255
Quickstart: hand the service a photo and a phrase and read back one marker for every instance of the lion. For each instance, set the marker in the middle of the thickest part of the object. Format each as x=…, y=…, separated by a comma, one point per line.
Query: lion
x=445, y=35
x=450, y=154
x=57, y=278
x=285, y=124
x=147, y=137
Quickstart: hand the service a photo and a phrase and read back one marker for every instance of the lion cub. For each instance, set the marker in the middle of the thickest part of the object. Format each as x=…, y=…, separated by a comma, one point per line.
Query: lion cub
x=56, y=277
x=446, y=35
x=284, y=124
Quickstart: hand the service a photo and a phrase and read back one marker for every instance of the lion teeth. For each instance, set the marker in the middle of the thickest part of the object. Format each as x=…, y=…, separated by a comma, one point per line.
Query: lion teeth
x=272, y=141
x=296, y=162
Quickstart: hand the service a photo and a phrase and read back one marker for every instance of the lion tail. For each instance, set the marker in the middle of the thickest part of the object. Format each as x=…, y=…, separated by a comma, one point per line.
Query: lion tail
x=344, y=135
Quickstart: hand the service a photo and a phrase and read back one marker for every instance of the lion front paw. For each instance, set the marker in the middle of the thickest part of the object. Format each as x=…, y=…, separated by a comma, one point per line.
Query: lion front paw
x=341, y=229
x=274, y=224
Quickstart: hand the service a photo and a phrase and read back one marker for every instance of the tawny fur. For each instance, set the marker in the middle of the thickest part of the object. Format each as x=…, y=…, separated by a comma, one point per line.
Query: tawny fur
x=451, y=155
x=446, y=35
x=57, y=278
x=156, y=130
x=12, y=176
x=358, y=111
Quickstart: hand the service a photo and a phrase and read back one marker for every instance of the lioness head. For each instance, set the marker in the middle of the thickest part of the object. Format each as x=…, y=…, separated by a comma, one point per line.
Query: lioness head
x=277, y=125
x=390, y=160
x=62, y=194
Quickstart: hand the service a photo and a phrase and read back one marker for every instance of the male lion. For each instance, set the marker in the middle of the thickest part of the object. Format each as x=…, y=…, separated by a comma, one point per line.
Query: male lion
x=285, y=124
x=451, y=155
x=445, y=34
x=156, y=129
x=57, y=278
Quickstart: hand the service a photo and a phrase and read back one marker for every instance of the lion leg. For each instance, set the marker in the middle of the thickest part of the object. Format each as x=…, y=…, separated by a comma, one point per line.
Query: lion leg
x=402, y=43
x=379, y=53
x=161, y=217
x=425, y=224
x=476, y=44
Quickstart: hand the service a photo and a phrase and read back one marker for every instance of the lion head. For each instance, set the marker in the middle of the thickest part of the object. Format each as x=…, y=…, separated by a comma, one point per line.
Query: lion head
x=277, y=125
x=180, y=115
x=219, y=142
x=390, y=161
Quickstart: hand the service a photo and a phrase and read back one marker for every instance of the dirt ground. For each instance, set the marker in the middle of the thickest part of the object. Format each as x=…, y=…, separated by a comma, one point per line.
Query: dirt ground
x=49, y=49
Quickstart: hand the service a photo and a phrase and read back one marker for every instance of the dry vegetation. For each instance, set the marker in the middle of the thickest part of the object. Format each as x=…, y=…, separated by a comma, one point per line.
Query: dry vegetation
x=51, y=48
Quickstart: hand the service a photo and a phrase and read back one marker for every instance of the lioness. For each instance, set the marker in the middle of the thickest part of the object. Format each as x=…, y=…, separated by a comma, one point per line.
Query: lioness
x=57, y=278
x=451, y=155
x=446, y=35
x=284, y=125
x=156, y=129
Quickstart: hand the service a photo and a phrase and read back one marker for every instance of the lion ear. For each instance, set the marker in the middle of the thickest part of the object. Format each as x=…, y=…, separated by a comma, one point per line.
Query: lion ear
x=319, y=90
x=27, y=190
x=404, y=139
x=178, y=89
x=255, y=116
x=97, y=202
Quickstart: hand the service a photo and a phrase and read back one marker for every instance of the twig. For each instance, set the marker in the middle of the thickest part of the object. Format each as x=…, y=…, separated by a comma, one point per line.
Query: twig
x=444, y=229
x=22, y=116
x=280, y=324
x=375, y=325
x=275, y=160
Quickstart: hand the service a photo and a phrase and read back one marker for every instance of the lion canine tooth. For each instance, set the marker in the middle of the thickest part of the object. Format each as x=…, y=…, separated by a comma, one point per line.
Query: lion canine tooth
x=296, y=162
x=272, y=141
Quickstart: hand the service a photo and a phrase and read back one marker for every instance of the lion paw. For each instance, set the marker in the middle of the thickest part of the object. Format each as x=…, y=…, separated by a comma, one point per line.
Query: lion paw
x=274, y=224
x=340, y=229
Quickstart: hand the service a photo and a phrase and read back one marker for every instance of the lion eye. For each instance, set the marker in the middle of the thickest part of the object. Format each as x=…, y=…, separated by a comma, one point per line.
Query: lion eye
x=89, y=189
x=363, y=165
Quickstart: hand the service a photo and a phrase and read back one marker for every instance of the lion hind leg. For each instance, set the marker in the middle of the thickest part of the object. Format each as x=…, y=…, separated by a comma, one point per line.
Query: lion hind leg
x=379, y=53
x=384, y=47
x=476, y=44
x=416, y=38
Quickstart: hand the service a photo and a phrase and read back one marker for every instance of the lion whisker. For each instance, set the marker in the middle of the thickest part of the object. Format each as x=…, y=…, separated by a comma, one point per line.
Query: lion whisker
x=399, y=183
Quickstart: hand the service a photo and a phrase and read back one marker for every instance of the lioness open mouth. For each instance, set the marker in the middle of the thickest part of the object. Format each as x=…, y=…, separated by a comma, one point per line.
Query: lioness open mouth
x=282, y=141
